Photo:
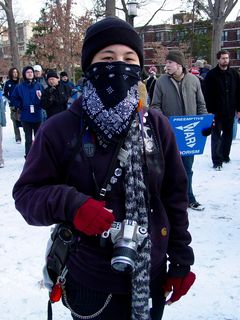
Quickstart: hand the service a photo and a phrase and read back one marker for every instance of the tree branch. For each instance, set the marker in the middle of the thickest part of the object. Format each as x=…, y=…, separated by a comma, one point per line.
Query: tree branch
x=5, y=8
x=229, y=8
x=208, y=10
x=159, y=9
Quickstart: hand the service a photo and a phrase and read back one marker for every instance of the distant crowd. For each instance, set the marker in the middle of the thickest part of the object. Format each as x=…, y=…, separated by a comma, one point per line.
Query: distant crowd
x=198, y=90
x=35, y=97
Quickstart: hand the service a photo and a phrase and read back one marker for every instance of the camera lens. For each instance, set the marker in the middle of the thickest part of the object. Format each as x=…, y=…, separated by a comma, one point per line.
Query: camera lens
x=123, y=259
x=66, y=235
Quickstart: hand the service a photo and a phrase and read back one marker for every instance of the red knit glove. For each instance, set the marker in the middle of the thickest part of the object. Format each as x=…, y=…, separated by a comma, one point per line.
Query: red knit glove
x=178, y=286
x=93, y=218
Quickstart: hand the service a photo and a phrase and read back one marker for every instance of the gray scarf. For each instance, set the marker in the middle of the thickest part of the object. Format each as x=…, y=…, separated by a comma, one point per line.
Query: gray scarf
x=136, y=210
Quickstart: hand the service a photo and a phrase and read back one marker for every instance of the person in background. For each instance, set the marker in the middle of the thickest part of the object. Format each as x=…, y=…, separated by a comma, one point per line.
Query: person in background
x=222, y=95
x=178, y=93
x=55, y=97
x=38, y=75
x=150, y=82
x=125, y=168
x=13, y=80
x=205, y=69
x=26, y=99
x=65, y=80
x=2, y=124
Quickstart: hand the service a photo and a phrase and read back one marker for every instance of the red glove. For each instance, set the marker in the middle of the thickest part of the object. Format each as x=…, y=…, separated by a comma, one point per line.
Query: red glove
x=92, y=218
x=178, y=286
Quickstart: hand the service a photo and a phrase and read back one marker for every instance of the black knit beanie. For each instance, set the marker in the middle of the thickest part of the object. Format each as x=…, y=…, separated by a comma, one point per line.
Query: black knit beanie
x=63, y=74
x=106, y=32
x=52, y=74
x=25, y=70
x=176, y=56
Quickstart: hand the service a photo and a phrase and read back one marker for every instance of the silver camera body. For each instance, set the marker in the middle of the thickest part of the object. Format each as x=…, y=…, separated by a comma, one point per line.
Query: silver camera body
x=126, y=237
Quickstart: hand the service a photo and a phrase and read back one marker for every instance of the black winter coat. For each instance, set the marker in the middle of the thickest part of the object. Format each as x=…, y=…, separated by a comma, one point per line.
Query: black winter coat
x=9, y=87
x=54, y=99
x=222, y=92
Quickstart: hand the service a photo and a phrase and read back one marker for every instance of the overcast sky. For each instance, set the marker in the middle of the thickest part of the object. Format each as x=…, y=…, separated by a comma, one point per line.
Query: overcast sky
x=30, y=10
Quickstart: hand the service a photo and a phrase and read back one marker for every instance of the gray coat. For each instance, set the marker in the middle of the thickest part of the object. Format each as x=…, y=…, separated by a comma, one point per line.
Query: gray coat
x=167, y=97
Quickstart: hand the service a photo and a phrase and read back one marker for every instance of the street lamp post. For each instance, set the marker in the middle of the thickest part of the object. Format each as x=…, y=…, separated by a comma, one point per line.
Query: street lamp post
x=132, y=10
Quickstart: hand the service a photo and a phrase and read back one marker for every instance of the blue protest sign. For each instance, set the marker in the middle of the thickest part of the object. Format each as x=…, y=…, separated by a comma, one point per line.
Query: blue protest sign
x=188, y=132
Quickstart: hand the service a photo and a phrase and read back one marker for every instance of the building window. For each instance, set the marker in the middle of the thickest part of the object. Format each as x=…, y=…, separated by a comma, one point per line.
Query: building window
x=20, y=34
x=159, y=36
x=21, y=48
x=201, y=31
x=224, y=36
x=238, y=54
x=238, y=34
x=169, y=36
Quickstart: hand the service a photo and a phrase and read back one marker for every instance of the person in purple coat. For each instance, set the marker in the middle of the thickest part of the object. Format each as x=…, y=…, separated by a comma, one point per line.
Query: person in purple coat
x=112, y=170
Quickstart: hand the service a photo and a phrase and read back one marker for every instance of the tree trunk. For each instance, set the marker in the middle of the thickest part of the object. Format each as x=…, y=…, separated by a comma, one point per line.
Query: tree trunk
x=218, y=11
x=7, y=7
x=218, y=26
x=110, y=8
x=64, y=16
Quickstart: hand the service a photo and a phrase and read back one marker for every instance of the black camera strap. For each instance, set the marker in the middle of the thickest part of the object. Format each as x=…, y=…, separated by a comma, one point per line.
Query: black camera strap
x=145, y=172
x=103, y=190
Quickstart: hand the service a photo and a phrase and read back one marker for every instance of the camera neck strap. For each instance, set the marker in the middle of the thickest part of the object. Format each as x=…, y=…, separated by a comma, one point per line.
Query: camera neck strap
x=145, y=170
x=87, y=141
x=121, y=155
x=101, y=192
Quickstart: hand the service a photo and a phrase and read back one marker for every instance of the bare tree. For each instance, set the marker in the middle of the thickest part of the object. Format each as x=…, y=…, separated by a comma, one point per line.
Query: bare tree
x=7, y=7
x=217, y=11
x=58, y=36
x=153, y=15
x=63, y=17
x=103, y=8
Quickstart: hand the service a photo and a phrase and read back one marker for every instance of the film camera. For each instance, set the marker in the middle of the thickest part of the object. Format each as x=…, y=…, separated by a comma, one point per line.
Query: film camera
x=127, y=237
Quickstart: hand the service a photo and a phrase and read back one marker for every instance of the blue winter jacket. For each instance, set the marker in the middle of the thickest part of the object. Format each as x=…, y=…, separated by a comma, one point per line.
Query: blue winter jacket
x=24, y=95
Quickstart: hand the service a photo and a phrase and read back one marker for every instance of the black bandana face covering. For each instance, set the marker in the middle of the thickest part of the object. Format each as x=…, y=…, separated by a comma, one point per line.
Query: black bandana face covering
x=110, y=99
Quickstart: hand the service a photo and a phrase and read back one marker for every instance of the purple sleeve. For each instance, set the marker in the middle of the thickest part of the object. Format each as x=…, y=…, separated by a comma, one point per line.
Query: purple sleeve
x=40, y=193
x=175, y=201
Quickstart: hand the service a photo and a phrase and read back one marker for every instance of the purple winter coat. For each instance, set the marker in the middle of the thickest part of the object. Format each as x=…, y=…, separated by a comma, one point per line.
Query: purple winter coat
x=43, y=197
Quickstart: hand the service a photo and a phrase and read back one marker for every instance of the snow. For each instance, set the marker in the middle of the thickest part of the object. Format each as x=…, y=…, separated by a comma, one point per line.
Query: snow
x=215, y=232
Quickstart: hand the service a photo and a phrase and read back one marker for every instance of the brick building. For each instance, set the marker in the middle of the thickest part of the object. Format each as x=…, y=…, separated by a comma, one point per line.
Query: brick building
x=158, y=39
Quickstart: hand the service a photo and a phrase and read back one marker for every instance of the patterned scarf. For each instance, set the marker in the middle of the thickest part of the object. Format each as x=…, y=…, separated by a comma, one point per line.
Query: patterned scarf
x=135, y=206
x=110, y=98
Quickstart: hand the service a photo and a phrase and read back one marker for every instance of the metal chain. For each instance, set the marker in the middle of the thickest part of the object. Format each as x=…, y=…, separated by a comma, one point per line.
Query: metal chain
x=91, y=316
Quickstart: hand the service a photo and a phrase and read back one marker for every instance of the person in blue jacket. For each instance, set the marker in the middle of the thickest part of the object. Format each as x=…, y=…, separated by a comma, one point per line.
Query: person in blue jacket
x=26, y=98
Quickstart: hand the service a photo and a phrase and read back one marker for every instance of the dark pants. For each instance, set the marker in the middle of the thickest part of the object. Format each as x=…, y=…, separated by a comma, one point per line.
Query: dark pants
x=86, y=301
x=29, y=128
x=16, y=124
x=221, y=140
x=188, y=163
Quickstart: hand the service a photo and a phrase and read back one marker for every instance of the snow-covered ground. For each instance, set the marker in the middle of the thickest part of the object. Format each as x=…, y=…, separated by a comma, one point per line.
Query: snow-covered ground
x=215, y=232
